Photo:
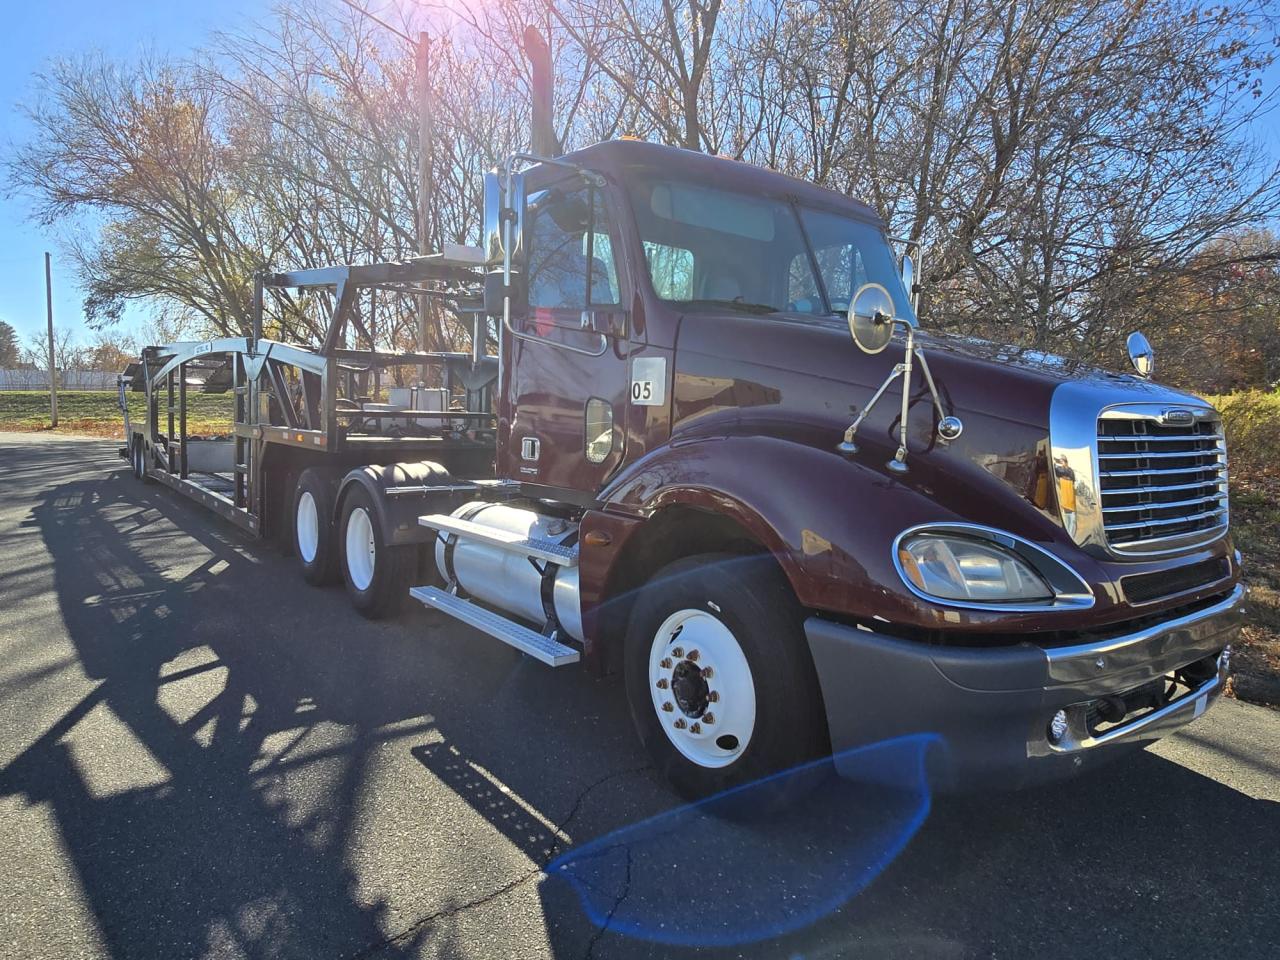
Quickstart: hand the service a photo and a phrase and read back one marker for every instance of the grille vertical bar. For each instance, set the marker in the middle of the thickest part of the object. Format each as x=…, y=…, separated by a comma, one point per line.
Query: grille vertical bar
x=1161, y=485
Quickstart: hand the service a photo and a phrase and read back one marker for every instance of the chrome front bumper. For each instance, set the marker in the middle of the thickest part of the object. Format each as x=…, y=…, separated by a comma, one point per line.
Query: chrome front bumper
x=1120, y=664
x=990, y=708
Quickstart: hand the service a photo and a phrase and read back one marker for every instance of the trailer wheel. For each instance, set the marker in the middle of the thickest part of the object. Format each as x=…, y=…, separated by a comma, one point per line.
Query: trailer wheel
x=719, y=680
x=138, y=458
x=313, y=538
x=378, y=575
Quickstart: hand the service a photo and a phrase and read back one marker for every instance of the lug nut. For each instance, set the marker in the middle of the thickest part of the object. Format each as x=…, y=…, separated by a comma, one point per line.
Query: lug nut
x=707, y=673
x=679, y=724
x=696, y=728
x=666, y=663
x=677, y=652
x=667, y=707
x=708, y=718
x=693, y=656
x=662, y=684
x=712, y=695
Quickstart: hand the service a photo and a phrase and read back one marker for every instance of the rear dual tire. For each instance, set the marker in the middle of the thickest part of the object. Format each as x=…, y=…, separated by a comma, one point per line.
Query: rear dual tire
x=378, y=575
x=313, y=528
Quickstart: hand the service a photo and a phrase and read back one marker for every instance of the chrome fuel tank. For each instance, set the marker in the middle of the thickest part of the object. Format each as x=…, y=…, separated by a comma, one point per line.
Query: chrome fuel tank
x=507, y=580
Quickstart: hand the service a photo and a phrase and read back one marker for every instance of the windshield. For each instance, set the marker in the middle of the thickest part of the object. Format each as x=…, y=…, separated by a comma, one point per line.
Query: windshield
x=711, y=247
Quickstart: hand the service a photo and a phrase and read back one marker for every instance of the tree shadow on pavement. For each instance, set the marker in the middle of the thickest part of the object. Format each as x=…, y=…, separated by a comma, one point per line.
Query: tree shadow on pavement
x=239, y=773
x=213, y=855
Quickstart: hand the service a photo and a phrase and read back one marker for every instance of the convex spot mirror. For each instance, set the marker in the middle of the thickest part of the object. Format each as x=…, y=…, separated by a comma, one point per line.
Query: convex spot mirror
x=505, y=246
x=1141, y=355
x=871, y=318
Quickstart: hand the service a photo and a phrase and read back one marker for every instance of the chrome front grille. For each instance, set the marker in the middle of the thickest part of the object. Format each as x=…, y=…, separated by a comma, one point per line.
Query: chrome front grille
x=1162, y=486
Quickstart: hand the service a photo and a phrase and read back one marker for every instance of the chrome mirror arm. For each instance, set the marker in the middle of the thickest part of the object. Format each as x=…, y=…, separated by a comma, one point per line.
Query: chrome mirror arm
x=949, y=426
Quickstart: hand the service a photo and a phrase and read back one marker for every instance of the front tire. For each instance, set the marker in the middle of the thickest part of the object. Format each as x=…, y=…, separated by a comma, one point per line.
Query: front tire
x=719, y=679
x=378, y=575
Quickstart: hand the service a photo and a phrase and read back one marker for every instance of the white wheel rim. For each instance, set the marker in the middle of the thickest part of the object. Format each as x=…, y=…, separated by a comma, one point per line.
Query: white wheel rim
x=702, y=689
x=308, y=523
x=361, y=550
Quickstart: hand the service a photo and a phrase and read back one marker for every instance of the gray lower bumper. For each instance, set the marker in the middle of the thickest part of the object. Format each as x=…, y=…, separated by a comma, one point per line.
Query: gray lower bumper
x=990, y=707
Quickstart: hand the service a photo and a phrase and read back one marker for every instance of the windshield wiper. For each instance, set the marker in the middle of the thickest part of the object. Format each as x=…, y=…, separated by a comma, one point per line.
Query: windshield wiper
x=736, y=304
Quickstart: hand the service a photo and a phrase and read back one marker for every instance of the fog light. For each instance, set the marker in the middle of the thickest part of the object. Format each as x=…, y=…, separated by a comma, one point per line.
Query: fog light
x=1058, y=727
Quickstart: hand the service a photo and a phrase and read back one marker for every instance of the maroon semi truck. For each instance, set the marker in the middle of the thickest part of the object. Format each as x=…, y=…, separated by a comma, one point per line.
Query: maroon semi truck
x=713, y=452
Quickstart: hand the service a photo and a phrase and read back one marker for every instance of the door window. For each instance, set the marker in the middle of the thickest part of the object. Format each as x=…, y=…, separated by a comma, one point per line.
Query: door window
x=571, y=261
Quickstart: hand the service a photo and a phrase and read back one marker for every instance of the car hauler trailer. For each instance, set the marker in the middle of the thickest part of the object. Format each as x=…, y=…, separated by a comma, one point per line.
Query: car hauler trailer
x=715, y=452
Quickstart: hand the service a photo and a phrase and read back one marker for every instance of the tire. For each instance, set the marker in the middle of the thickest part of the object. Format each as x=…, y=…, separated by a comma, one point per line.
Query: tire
x=314, y=542
x=737, y=616
x=138, y=459
x=378, y=575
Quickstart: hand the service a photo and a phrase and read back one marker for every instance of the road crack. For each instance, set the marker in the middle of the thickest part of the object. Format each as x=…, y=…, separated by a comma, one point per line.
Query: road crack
x=533, y=873
x=618, y=901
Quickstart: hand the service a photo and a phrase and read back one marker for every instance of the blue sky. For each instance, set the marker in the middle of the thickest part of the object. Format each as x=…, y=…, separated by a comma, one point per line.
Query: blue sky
x=35, y=32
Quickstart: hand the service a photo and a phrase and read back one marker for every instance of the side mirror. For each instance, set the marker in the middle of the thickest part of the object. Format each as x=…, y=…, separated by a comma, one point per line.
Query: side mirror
x=504, y=242
x=908, y=274
x=1141, y=355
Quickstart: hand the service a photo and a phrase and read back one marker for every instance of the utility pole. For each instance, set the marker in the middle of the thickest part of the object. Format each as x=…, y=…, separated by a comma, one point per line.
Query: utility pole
x=53, y=370
x=422, y=63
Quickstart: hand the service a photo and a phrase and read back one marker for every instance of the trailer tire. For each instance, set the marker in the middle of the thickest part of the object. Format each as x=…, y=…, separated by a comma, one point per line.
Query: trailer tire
x=378, y=574
x=138, y=459
x=313, y=533
x=761, y=688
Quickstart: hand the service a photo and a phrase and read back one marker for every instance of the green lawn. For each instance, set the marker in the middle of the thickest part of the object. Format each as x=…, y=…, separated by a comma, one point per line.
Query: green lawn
x=95, y=412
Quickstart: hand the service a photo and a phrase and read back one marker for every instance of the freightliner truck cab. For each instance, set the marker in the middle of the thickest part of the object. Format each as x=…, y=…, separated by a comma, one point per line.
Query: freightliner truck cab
x=1023, y=556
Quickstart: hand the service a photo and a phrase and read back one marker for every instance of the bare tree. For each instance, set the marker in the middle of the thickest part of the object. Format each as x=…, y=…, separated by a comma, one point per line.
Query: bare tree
x=1066, y=165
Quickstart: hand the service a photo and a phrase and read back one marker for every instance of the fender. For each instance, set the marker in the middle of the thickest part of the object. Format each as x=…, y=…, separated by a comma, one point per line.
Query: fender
x=831, y=521
x=398, y=515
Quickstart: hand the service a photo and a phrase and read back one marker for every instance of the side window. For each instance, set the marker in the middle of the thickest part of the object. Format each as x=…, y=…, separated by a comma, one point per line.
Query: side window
x=671, y=269
x=842, y=271
x=802, y=292
x=570, y=250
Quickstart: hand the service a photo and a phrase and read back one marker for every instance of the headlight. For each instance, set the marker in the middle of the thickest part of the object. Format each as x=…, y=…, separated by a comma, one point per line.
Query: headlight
x=976, y=571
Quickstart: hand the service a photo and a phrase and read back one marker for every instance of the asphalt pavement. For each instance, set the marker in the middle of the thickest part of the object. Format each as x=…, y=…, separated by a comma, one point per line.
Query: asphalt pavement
x=201, y=756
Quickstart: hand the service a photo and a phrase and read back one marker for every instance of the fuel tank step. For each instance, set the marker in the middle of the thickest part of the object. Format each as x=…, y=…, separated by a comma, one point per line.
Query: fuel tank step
x=547, y=550
x=541, y=648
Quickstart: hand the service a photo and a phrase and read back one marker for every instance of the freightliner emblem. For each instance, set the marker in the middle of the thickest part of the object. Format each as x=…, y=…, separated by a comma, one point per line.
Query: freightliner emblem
x=1177, y=418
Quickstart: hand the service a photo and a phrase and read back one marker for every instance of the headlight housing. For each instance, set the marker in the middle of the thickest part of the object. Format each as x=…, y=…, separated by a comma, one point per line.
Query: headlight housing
x=982, y=568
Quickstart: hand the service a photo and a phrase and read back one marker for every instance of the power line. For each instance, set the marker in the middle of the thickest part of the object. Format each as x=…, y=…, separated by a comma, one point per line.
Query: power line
x=376, y=19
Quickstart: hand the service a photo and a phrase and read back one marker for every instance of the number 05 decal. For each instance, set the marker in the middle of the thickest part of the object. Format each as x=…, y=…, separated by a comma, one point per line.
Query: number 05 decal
x=649, y=381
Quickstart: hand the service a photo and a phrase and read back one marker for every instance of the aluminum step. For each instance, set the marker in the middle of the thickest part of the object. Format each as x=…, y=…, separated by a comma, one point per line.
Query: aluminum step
x=550, y=652
x=547, y=550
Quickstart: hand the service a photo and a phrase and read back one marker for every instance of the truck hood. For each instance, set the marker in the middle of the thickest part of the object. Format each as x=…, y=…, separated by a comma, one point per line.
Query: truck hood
x=802, y=378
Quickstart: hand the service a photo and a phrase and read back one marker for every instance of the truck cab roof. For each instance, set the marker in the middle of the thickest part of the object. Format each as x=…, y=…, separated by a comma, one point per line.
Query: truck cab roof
x=623, y=157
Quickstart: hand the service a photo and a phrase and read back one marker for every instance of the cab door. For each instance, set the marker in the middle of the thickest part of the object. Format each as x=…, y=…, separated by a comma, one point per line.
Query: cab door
x=565, y=369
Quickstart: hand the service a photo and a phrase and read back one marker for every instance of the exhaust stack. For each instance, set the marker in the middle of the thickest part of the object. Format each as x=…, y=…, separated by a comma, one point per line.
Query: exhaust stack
x=543, y=141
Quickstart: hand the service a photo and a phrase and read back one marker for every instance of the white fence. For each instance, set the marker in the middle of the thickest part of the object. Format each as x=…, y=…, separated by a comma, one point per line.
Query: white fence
x=67, y=380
